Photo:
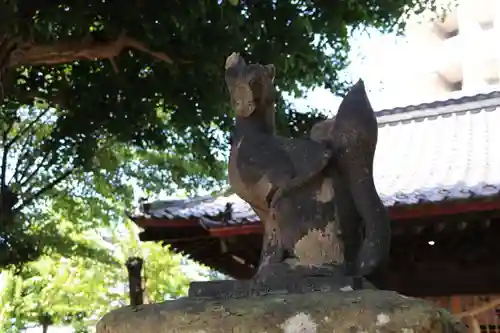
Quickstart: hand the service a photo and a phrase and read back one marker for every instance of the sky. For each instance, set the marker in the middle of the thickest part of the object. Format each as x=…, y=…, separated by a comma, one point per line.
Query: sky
x=376, y=58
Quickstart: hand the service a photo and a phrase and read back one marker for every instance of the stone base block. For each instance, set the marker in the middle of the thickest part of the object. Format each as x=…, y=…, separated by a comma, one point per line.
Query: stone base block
x=279, y=284
x=359, y=311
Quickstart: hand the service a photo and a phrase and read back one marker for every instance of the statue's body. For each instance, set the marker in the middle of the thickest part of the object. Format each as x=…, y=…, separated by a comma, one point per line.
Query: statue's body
x=313, y=195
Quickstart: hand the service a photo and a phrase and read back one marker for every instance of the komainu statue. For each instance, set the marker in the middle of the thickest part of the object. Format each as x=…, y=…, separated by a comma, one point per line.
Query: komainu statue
x=316, y=197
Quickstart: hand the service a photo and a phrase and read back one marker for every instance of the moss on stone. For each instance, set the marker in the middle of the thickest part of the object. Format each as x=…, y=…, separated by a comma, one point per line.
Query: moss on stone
x=354, y=311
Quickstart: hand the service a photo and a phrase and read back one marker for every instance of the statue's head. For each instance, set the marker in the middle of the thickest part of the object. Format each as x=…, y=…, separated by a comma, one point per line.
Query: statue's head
x=250, y=86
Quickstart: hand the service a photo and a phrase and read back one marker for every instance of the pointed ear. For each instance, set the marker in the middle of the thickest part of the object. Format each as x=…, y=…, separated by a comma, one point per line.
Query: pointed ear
x=235, y=65
x=271, y=71
x=235, y=60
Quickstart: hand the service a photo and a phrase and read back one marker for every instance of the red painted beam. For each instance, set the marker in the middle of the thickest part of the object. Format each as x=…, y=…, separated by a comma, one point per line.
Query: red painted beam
x=396, y=213
x=244, y=229
x=446, y=208
x=226, y=231
x=144, y=222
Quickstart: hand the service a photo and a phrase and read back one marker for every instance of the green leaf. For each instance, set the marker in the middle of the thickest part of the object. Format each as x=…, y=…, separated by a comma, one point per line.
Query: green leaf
x=80, y=289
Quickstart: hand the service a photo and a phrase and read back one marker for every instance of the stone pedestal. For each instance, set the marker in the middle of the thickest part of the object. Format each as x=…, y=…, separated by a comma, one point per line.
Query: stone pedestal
x=350, y=312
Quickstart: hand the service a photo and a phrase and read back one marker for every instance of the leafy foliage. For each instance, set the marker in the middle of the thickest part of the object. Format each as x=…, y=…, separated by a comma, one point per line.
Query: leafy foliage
x=100, y=95
x=81, y=194
x=57, y=291
x=77, y=291
x=137, y=97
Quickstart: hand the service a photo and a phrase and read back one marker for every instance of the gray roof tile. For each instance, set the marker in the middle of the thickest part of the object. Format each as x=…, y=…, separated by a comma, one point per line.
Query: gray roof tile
x=449, y=151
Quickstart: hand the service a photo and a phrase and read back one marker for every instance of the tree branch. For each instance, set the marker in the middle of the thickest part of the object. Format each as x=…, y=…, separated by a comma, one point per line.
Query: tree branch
x=42, y=191
x=25, y=155
x=5, y=154
x=27, y=128
x=66, y=52
x=51, y=185
x=24, y=180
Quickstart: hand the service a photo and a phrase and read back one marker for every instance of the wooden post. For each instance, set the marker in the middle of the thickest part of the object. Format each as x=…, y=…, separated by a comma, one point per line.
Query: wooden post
x=136, y=290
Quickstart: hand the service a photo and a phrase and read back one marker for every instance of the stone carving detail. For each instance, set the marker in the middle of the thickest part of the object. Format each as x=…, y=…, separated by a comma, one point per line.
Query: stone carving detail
x=315, y=196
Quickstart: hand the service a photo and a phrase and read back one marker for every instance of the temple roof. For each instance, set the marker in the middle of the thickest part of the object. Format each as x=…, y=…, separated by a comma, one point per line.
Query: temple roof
x=426, y=153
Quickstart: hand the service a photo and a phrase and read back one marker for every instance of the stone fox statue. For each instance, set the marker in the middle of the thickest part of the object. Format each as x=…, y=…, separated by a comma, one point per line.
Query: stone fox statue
x=292, y=184
x=261, y=163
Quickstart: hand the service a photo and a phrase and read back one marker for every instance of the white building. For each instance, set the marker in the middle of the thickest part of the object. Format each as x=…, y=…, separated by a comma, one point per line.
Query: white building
x=460, y=51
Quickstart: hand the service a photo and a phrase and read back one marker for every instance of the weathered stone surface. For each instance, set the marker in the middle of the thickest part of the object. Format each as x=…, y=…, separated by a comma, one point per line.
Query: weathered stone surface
x=294, y=283
x=350, y=312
